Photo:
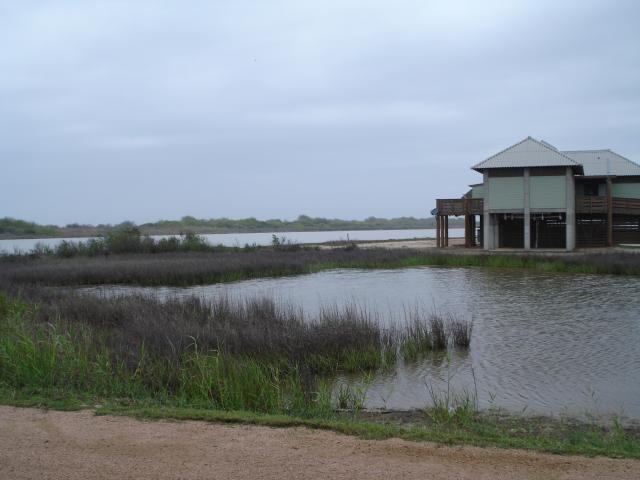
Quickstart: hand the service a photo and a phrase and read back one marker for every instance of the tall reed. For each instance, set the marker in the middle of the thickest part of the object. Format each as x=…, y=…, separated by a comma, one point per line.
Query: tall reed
x=195, y=267
x=433, y=331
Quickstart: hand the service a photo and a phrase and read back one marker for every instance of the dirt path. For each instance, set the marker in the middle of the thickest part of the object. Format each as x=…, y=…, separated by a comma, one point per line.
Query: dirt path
x=77, y=445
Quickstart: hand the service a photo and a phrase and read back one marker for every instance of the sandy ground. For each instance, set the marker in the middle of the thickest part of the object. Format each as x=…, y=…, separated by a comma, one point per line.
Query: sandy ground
x=417, y=244
x=456, y=247
x=35, y=444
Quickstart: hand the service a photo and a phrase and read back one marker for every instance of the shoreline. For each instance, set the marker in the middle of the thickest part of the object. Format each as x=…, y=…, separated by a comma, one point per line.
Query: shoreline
x=197, y=231
x=78, y=445
x=504, y=431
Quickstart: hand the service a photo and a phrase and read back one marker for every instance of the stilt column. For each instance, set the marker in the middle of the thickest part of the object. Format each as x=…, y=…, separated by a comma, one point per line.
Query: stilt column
x=446, y=231
x=609, y=213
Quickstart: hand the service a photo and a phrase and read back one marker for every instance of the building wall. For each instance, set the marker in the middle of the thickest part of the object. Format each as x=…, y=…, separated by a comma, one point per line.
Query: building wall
x=477, y=191
x=506, y=193
x=526, y=192
x=549, y=191
x=626, y=190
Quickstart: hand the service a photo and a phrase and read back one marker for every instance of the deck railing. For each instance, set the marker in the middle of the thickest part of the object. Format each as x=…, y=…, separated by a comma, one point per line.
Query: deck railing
x=585, y=204
x=628, y=206
x=598, y=204
x=591, y=204
x=459, y=206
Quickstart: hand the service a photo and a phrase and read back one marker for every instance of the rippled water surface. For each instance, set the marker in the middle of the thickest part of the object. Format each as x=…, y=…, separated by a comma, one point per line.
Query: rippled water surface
x=542, y=343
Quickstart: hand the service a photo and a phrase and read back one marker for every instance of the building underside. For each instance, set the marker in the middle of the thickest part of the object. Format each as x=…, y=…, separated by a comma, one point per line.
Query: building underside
x=600, y=221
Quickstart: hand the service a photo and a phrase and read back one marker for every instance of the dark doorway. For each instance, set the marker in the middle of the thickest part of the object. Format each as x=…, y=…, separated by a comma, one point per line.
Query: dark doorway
x=591, y=230
x=548, y=230
x=511, y=231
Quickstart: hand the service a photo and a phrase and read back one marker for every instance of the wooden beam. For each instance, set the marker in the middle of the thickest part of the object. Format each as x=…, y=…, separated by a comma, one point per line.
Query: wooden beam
x=466, y=231
x=446, y=231
x=472, y=234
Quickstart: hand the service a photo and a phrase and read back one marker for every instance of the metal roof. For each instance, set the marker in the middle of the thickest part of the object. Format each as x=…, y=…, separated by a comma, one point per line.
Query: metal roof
x=604, y=163
x=528, y=153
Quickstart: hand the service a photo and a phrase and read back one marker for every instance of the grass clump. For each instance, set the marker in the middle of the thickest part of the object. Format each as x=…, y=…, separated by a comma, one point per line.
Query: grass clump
x=433, y=332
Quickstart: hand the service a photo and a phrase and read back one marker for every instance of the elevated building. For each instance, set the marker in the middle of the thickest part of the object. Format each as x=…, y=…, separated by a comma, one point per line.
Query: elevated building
x=533, y=195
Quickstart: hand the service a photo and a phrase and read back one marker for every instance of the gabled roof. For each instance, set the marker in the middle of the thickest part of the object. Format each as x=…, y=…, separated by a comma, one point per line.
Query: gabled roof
x=528, y=153
x=604, y=163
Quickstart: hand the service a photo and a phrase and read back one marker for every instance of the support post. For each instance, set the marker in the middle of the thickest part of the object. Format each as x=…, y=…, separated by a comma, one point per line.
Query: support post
x=465, y=209
x=472, y=228
x=527, y=211
x=467, y=231
x=487, y=236
x=570, y=216
x=609, y=213
x=446, y=231
x=438, y=231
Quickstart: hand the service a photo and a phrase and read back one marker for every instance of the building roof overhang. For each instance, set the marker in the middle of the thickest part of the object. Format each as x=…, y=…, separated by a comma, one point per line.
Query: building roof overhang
x=528, y=153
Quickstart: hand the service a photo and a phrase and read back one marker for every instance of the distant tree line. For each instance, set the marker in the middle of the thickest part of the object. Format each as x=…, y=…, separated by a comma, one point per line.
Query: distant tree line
x=302, y=223
x=10, y=227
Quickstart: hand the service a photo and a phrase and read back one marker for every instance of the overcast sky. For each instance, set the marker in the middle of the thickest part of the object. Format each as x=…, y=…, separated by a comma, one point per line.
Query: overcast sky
x=147, y=110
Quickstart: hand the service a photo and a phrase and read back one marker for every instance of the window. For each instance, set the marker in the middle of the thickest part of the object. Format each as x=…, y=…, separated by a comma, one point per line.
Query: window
x=591, y=189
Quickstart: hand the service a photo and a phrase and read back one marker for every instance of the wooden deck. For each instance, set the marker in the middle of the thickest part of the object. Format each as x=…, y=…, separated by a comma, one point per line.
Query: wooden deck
x=600, y=221
x=467, y=207
x=620, y=206
x=626, y=206
x=584, y=204
x=459, y=206
x=591, y=205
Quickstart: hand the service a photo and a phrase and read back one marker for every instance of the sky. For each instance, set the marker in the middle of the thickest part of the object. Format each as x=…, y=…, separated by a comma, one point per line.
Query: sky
x=148, y=110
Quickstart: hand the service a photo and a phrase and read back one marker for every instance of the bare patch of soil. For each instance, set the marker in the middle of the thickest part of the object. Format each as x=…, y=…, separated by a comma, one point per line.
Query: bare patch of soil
x=78, y=445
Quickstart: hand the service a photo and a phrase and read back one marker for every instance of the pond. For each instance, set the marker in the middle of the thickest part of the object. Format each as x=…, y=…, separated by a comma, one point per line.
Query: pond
x=542, y=343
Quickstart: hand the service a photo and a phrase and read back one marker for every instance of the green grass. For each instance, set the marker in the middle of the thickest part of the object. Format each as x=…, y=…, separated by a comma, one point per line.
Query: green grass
x=494, y=261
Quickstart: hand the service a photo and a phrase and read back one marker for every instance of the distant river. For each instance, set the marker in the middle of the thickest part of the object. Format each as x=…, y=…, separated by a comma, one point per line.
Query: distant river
x=542, y=343
x=264, y=238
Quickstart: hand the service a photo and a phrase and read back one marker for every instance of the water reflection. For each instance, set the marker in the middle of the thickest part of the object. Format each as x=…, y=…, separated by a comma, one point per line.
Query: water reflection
x=542, y=343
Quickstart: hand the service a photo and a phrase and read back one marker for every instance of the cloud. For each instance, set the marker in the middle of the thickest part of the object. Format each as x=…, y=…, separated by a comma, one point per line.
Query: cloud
x=272, y=109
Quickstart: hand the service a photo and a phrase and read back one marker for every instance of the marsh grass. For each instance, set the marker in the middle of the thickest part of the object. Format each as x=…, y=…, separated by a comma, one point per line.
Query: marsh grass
x=460, y=331
x=42, y=357
x=432, y=331
x=127, y=241
x=447, y=405
x=184, y=268
x=252, y=355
